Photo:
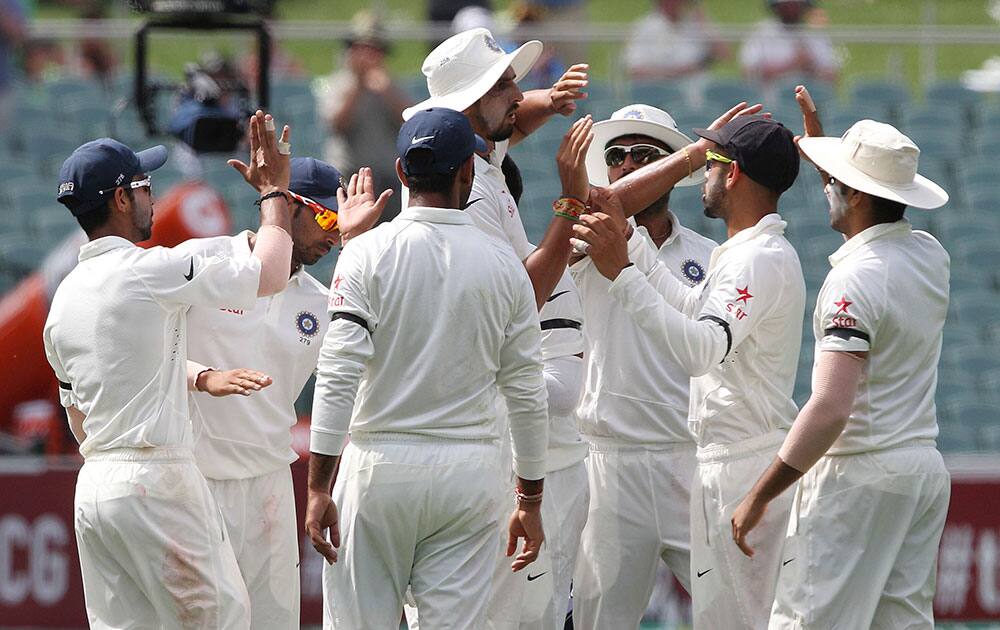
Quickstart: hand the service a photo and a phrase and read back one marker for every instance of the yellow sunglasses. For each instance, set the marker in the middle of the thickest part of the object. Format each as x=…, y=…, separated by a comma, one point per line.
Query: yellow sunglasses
x=712, y=156
x=326, y=218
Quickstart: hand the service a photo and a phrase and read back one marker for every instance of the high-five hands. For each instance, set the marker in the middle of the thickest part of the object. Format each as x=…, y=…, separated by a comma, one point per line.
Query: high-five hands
x=357, y=208
x=269, y=167
x=568, y=89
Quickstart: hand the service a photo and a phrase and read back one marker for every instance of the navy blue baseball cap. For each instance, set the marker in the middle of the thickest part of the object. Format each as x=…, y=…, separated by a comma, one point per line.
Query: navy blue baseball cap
x=316, y=180
x=92, y=172
x=764, y=148
x=437, y=141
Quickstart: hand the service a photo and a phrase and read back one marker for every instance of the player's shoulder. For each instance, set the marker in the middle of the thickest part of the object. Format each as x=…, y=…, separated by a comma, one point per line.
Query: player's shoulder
x=311, y=286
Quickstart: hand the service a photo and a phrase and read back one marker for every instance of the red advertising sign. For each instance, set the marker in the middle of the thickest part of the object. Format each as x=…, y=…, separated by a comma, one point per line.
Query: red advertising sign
x=40, y=574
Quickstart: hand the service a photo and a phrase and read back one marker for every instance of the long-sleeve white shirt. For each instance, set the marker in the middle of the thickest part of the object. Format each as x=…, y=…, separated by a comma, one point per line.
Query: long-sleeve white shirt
x=738, y=334
x=432, y=320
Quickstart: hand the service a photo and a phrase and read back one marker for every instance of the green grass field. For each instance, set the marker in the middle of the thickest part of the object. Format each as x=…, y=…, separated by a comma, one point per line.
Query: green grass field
x=318, y=57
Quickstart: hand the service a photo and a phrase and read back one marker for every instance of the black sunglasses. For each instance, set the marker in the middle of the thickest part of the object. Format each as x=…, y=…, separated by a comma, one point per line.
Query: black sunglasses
x=641, y=154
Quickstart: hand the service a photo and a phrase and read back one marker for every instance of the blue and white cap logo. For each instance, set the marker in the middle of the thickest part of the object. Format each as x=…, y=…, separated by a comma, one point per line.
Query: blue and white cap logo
x=634, y=114
x=693, y=271
x=307, y=323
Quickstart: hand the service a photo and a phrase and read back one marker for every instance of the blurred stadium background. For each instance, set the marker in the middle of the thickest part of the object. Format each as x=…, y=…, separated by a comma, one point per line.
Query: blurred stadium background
x=903, y=62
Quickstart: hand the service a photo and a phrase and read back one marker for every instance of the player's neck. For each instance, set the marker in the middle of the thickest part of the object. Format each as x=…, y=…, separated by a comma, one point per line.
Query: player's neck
x=657, y=222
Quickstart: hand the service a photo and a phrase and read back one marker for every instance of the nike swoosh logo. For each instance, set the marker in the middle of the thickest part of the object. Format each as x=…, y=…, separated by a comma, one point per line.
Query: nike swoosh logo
x=701, y=573
x=532, y=578
x=555, y=295
x=416, y=140
x=190, y=273
x=787, y=561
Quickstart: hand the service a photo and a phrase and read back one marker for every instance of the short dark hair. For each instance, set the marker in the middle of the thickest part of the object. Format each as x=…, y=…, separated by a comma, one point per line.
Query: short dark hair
x=886, y=210
x=100, y=215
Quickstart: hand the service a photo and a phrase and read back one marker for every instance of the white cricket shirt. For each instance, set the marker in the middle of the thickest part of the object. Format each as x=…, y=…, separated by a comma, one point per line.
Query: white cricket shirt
x=633, y=392
x=561, y=320
x=116, y=337
x=237, y=437
x=887, y=295
x=755, y=295
x=433, y=319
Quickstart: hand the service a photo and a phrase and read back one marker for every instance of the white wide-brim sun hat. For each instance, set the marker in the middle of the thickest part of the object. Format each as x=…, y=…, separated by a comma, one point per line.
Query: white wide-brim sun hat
x=630, y=120
x=465, y=66
x=877, y=159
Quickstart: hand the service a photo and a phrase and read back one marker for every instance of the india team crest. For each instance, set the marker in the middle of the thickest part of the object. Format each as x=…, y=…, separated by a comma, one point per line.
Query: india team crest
x=307, y=324
x=492, y=44
x=693, y=271
x=633, y=114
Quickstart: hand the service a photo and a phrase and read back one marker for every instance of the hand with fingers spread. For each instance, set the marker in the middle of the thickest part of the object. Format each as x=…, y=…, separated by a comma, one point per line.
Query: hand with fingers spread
x=571, y=159
x=321, y=515
x=357, y=208
x=526, y=524
x=227, y=382
x=568, y=89
x=270, y=166
x=606, y=243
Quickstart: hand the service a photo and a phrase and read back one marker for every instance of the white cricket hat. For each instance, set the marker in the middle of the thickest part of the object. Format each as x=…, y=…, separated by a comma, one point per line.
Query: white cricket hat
x=630, y=120
x=465, y=66
x=876, y=158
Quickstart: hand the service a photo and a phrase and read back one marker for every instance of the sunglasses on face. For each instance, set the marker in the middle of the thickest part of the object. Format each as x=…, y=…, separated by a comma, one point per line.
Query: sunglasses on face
x=641, y=154
x=712, y=156
x=142, y=183
x=326, y=218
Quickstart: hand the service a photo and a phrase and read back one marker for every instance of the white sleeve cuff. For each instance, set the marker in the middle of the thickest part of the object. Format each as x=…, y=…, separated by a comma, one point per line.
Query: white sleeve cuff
x=530, y=469
x=326, y=442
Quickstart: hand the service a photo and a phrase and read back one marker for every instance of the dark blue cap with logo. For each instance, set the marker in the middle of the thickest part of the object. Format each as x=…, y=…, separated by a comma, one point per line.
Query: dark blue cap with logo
x=437, y=141
x=764, y=148
x=316, y=180
x=90, y=174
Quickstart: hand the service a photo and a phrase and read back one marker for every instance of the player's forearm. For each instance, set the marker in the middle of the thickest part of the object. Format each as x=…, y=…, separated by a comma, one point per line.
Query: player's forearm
x=695, y=345
x=547, y=263
x=638, y=190
x=322, y=472
x=778, y=477
x=273, y=245
x=533, y=112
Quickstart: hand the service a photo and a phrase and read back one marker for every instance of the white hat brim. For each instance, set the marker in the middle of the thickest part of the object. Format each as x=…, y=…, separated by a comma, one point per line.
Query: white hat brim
x=521, y=60
x=826, y=154
x=607, y=130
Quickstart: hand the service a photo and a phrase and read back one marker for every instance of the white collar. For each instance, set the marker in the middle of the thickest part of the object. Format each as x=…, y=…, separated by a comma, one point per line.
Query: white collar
x=103, y=245
x=435, y=215
x=880, y=230
x=769, y=224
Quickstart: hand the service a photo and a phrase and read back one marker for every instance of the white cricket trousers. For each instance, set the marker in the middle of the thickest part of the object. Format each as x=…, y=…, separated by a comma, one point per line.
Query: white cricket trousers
x=154, y=551
x=638, y=517
x=537, y=597
x=729, y=590
x=863, y=540
x=260, y=519
x=414, y=511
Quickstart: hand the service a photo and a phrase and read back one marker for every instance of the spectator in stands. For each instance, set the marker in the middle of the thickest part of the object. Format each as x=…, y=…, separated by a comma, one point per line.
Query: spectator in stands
x=362, y=109
x=567, y=16
x=674, y=41
x=788, y=46
x=97, y=57
x=13, y=30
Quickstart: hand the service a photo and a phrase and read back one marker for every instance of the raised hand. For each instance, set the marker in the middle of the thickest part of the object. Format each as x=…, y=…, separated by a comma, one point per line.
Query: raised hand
x=571, y=159
x=740, y=109
x=567, y=90
x=357, y=208
x=227, y=382
x=269, y=166
x=811, y=124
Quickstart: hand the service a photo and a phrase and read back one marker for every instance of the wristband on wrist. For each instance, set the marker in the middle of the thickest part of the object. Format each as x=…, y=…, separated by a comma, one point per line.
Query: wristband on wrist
x=687, y=158
x=569, y=208
x=271, y=195
x=198, y=376
x=527, y=498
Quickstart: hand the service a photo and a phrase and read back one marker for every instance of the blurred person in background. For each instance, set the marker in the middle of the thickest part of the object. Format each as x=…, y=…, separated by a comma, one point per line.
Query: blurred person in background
x=13, y=31
x=789, y=45
x=97, y=57
x=674, y=42
x=362, y=108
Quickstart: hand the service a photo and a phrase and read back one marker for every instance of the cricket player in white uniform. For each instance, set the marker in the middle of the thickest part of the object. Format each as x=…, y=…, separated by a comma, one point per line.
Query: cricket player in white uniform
x=154, y=551
x=738, y=335
x=539, y=598
x=434, y=320
x=862, y=545
x=635, y=405
x=243, y=443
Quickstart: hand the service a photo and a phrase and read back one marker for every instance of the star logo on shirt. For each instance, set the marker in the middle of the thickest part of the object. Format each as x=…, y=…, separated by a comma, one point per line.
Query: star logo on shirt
x=744, y=294
x=842, y=305
x=336, y=282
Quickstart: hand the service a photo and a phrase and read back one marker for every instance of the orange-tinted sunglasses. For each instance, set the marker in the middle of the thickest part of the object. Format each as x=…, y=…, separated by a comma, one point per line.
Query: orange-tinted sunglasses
x=326, y=218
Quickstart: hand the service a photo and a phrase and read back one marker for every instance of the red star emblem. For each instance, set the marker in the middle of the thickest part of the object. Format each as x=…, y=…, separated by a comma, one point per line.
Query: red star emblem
x=842, y=305
x=336, y=282
x=744, y=294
